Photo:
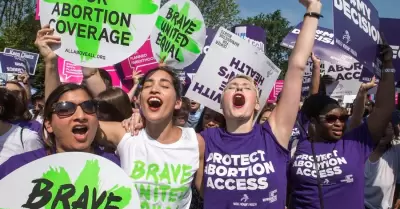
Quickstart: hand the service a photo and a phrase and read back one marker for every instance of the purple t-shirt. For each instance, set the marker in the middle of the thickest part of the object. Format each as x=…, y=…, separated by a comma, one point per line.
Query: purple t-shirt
x=17, y=161
x=341, y=168
x=244, y=170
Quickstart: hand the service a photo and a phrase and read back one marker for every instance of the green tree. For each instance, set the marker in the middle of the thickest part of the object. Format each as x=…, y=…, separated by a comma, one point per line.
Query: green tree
x=217, y=13
x=22, y=36
x=277, y=28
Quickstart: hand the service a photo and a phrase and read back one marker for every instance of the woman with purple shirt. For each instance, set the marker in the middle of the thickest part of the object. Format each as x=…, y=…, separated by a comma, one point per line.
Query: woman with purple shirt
x=245, y=166
x=338, y=180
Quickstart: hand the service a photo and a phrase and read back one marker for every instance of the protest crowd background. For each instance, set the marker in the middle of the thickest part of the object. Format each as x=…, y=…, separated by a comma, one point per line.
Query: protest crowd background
x=182, y=104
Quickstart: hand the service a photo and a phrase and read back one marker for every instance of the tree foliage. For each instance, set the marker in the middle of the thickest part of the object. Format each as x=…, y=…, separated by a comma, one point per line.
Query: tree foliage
x=13, y=11
x=277, y=28
x=217, y=13
x=21, y=35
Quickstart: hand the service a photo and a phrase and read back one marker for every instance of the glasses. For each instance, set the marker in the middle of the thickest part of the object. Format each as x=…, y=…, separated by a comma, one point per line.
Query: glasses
x=67, y=109
x=333, y=118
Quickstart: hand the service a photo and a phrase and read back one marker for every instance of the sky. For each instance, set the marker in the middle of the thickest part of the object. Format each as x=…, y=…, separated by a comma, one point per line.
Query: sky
x=294, y=11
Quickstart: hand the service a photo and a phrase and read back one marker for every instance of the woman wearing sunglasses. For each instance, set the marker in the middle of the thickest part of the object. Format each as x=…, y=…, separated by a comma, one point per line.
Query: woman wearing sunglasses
x=327, y=170
x=71, y=124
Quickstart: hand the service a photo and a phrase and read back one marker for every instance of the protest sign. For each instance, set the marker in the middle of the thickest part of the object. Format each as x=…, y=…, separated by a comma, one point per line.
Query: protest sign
x=179, y=35
x=230, y=55
x=255, y=35
x=143, y=61
x=71, y=73
x=99, y=33
x=346, y=80
x=37, y=10
x=391, y=30
x=356, y=28
x=62, y=180
x=305, y=89
x=11, y=64
x=278, y=87
x=192, y=69
x=31, y=58
x=324, y=45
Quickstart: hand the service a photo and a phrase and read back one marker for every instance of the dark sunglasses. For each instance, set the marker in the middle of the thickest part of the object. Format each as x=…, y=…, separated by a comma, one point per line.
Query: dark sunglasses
x=67, y=109
x=333, y=118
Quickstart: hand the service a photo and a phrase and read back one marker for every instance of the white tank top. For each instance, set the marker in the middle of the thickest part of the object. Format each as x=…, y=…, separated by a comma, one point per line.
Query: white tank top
x=162, y=173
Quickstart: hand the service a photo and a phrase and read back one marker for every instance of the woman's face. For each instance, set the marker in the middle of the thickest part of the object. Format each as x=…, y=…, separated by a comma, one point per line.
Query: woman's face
x=212, y=119
x=158, y=98
x=77, y=131
x=240, y=99
x=264, y=117
x=332, y=125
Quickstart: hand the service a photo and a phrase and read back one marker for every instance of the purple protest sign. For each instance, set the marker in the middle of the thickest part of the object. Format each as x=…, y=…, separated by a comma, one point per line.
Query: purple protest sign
x=253, y=34
x=391, y=29
x=12, y=64
x=356, y=29
x=324, y=45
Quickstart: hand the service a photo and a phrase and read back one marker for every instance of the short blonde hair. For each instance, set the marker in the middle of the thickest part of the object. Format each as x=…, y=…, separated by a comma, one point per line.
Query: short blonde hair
x=248, y=78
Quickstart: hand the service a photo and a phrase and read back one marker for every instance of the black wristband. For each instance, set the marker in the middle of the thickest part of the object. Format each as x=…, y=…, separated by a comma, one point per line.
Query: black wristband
x=313, y=14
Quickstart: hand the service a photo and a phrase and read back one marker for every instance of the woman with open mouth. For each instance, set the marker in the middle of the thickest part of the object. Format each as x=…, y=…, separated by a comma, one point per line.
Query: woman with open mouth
x=327, y=169
x=71, y=124
x=245, y=166
x=163, y=158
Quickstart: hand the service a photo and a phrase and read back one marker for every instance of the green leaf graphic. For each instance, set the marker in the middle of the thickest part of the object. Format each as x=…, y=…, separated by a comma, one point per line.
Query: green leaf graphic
x=89, y=176
x=90, y=45
x=162, y=23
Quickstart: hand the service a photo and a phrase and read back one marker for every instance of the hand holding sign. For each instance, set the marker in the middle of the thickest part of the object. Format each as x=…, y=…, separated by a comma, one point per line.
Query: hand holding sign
x=312, y=4
x=24, y=77
x=386, y=53
x=316, y=61
x=368, y=86
x=44, y=38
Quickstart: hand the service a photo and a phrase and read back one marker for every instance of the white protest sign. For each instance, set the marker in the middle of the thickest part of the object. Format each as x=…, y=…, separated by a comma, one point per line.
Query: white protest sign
x=230, y=55
x=346, y=80
x=99, y=33
x=179, y=35
x=69, y=180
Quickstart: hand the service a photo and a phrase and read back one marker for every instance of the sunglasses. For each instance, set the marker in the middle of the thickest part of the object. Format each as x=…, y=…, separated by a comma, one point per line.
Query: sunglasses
x=333, y=118
x=67, y=109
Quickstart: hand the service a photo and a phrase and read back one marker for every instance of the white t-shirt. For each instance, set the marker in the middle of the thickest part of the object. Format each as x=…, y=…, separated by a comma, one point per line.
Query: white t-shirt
x=10, y=142
x=162, y=173
x=381, y=178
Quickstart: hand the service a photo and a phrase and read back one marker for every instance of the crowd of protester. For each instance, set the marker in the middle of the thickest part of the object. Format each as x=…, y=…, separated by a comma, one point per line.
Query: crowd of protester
x=321, y=155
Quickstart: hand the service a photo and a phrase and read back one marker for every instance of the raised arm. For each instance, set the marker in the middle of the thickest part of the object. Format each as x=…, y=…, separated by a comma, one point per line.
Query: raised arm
x=316, y=74
x=93, y=80
x=44, y=39
x=284, y=115
x=136, y=75
x=385, y=104
x=359, y=104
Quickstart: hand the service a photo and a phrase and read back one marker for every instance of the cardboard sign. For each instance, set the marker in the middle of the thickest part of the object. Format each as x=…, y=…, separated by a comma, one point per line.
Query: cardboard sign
x=69, y=180
x=99, y=33
x=143, y=61
x=11, y=64
x=391, y=29
x=230, y=55
x=278, y=87
x=179, y=35
x=324, y=45
x=356, y=28
x=71, y=73
x=31, y=58
x=255, y=35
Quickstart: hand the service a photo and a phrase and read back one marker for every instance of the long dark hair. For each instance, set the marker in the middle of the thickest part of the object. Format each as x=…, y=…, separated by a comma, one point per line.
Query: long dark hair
x=8, y=102
x=114, y=105
x=21, y=108
x=53, y=98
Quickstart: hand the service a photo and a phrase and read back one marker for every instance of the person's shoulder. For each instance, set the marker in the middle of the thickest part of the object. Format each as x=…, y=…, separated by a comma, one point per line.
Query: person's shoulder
x=20, y=160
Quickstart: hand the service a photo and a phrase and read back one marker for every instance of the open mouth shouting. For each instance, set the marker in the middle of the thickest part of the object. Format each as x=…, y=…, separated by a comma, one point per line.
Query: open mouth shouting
x=238, y=100
x=80, y=132
x=154, y=103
